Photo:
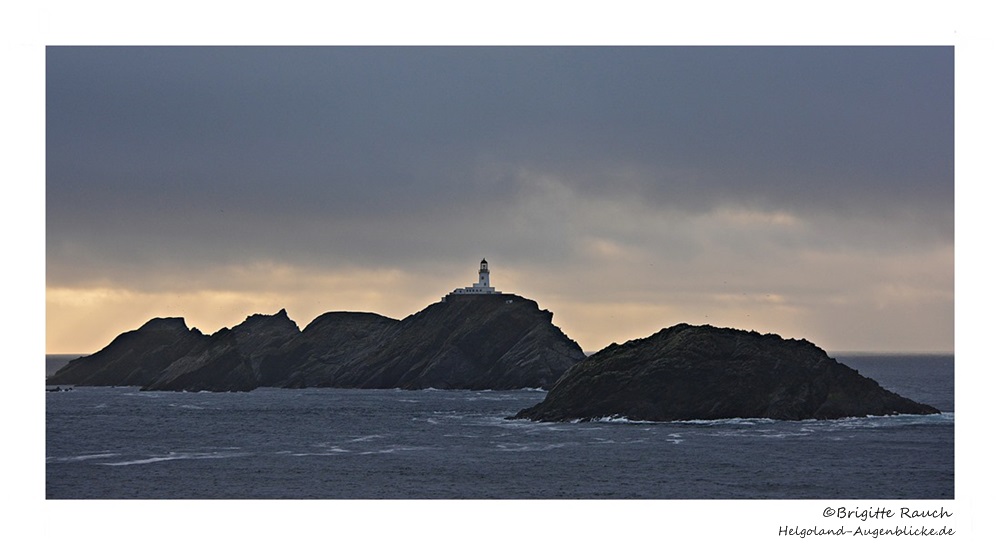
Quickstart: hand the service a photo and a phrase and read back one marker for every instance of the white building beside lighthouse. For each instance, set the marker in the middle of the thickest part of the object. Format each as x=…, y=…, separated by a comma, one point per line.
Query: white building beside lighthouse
x=483, y=286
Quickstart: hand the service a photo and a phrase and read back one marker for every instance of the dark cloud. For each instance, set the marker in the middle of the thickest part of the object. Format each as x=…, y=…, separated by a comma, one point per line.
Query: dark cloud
x=189, y=156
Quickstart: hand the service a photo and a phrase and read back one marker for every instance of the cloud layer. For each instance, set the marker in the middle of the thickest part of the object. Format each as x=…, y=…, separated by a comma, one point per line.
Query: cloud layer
x=806, y=191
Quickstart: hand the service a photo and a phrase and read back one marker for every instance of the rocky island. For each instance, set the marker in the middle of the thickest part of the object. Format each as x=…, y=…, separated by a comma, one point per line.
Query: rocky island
x=702, y=372
x=468, y=341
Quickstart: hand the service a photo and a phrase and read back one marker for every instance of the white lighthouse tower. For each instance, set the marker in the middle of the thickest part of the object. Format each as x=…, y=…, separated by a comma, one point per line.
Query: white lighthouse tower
x=484, y=275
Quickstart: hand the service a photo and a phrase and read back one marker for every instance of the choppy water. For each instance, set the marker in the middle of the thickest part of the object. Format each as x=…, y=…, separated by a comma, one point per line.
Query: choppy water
x=333, y=443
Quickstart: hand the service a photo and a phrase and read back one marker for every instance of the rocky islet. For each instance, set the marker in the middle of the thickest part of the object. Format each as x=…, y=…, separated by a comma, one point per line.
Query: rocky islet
x=703, y=372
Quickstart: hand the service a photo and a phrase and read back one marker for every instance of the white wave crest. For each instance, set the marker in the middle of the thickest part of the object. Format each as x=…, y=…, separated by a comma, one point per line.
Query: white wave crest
x=333, y=451
x=83, y=457
x=176, y=456
x=528, y=447
x=363, y=438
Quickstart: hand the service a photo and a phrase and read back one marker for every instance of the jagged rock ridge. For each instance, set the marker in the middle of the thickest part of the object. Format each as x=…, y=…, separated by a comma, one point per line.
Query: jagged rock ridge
x=463, y=342
x=134, y=358
x=702, y=372
x=232, y=359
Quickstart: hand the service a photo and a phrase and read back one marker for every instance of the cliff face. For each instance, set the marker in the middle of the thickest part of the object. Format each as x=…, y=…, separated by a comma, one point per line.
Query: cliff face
x=232, y=359
x=693, y=373
x=331, y=343
x=134, y=358
x=465, y=342
x=469, y=342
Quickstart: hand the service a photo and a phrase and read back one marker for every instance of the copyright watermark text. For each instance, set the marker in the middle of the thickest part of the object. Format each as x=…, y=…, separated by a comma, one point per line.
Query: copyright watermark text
x=908, y=522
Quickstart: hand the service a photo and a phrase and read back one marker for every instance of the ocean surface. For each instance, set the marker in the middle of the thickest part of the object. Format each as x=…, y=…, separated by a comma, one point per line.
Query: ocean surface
x=361, y=444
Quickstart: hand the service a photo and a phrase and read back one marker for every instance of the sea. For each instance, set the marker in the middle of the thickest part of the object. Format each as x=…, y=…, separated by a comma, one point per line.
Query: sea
x=123, y=443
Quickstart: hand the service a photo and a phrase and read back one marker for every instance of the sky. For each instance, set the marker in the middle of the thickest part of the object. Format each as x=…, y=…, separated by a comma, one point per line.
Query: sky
x=803, y=191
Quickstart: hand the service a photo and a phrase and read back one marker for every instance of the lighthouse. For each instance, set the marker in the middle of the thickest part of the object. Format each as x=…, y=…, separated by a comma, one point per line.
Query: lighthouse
x=479, y=288
x=484, y=274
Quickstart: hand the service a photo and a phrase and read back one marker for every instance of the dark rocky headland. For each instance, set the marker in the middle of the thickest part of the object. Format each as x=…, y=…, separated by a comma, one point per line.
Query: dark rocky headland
x=702, y=372
x=463, y=342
